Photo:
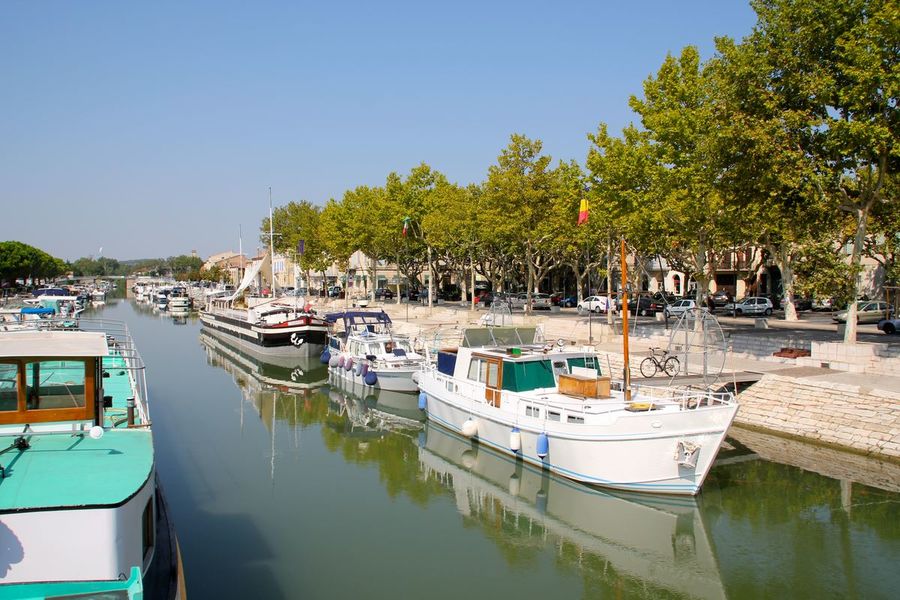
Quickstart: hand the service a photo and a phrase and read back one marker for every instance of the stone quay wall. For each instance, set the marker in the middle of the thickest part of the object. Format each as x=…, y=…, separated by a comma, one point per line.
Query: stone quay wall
x=849, y=416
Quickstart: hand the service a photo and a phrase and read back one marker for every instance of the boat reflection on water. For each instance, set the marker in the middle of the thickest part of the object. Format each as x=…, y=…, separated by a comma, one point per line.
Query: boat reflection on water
x=657, y=545
x=393, y=404
x=294, y=375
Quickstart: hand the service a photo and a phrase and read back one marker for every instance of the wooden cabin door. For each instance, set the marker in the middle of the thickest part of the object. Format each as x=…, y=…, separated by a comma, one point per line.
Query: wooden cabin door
x=493, y=381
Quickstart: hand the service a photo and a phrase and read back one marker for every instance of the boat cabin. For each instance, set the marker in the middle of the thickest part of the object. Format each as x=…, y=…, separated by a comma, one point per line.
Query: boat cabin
x=529, y=368
x=37, y=387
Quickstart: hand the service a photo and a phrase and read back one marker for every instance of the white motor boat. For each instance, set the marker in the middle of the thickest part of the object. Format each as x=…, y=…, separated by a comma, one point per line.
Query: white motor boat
x=550, y=406
x=368, y=353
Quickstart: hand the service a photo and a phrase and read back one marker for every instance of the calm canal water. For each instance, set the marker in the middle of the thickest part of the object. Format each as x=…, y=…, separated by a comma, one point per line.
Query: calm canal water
x=285, y=486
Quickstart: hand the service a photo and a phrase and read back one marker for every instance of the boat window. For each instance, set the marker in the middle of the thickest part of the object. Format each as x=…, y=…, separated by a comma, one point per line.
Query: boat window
x=553, y=416
x=559, y=367
x=493, y=374
x=572, y=419
x=529, y=375
x=477, y=372
x=582, y=362
x=531, y=411
x=9, y=388
x=54, y=384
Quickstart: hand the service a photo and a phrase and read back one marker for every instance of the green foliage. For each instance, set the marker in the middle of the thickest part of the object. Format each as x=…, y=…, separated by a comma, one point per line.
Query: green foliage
x=822, y=272
x=21, y=261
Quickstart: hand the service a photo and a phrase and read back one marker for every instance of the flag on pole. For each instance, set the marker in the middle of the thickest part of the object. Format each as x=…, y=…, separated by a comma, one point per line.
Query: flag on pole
x=583, y=212
x=406, y=221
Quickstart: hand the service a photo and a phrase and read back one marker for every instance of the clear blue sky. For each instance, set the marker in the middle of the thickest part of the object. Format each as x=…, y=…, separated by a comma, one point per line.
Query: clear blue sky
x=152, y=129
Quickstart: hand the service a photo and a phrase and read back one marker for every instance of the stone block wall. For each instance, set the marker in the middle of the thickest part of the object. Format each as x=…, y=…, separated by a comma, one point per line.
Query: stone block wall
x=847, y=416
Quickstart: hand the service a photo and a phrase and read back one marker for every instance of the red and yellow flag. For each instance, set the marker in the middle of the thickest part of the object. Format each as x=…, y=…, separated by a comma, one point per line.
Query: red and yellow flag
x=583, y=212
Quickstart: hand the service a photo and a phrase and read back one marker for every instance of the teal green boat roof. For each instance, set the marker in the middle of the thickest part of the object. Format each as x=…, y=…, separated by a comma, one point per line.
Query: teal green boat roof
x=132, y=588
x=65, y=471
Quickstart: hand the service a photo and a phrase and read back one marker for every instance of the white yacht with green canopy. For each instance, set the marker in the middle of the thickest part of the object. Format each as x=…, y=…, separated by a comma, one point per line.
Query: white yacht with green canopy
x=552, y=405
x=80, y=511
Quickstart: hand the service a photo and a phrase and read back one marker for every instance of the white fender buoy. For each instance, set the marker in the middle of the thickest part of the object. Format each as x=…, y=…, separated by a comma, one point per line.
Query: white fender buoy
x=468, y=458
x=415, y=377
x=333, y=361
x=469, y=428
x=515, y=440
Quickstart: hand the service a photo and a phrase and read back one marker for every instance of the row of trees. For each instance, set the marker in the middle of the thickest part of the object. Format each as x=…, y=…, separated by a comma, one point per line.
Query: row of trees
x=182, y=267
x=781, y=146
x=21, y=261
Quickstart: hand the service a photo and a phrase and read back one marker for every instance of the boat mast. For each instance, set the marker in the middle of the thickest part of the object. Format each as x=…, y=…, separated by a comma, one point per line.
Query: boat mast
x=271, y=244
x=627, y=374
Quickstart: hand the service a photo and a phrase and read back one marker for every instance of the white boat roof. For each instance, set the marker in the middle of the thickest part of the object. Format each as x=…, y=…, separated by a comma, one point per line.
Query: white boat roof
x=61, y=344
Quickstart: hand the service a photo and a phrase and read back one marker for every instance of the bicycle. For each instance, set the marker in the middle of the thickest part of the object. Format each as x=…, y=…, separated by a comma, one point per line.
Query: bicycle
x=652, y=365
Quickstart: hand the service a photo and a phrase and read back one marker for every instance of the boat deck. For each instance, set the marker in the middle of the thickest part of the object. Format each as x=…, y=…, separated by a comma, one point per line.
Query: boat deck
x=66, y=470
x=59, y=471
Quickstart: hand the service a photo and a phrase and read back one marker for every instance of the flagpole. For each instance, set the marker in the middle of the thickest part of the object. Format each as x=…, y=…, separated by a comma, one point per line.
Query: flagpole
x=587, y=249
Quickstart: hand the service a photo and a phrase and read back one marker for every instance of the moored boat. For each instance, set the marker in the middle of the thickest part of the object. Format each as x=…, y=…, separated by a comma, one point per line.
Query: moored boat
x=550, y=406
x=80, y=508
x=642, y=545
x=367, y=352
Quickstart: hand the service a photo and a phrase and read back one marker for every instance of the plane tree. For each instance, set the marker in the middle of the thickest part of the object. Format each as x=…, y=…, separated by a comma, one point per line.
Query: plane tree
x=683, y=210
x=837, y=64
x=518, y=190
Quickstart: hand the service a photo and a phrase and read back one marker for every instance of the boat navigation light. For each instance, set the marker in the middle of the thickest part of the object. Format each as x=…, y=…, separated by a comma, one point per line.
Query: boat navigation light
x=96, y=432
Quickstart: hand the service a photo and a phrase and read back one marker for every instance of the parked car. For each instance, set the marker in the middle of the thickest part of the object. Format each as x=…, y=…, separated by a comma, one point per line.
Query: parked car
x=556, y=298
x=679, y=307
x=569, y=301
x=721, y=297
x=665, y=297
x=411, y=294
x=800, y=304
x=889, y=326
x=541, y=301
x=335, y=291
x=594, y=304
x=384, y=294
x=644, y=305
x=867, y=311
x=752, y=305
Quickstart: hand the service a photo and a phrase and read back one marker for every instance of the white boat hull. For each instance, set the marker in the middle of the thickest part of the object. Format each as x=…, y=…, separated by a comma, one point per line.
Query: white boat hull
x=635, y=452
x=395, y=380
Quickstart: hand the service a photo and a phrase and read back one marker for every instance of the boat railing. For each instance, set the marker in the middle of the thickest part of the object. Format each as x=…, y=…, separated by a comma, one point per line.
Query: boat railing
x=121, y=345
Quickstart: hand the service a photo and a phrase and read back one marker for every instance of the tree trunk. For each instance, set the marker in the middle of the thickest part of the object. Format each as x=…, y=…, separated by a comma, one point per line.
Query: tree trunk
x=579, y=280
x=472, y=265
x=609, y=260
x=430, y=280
x=862, y=214
x=784, y=262
x=529, y=259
